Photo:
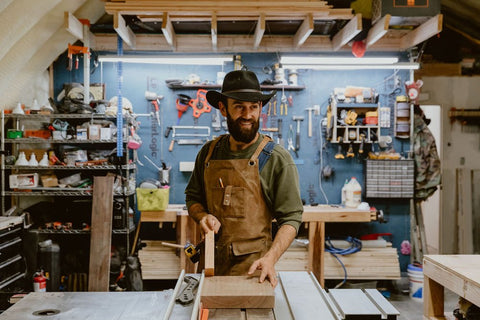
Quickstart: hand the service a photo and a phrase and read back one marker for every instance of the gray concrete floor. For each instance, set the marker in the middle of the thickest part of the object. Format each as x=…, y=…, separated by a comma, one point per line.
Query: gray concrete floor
x=412, y=309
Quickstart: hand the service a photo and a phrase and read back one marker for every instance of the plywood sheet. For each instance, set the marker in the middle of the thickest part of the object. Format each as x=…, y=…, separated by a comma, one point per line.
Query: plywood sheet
x=236, y=292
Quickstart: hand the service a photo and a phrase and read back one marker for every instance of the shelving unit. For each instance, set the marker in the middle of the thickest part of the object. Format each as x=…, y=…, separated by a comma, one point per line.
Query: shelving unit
x=346, y=132
x=175, y=85
x=12, y=264
x=24, y=196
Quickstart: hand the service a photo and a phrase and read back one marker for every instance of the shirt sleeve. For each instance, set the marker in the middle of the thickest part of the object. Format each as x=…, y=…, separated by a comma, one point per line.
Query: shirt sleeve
x=194, y=191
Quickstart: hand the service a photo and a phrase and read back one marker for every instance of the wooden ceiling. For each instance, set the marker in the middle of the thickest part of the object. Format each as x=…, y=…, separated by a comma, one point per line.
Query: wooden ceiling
x=253, y=26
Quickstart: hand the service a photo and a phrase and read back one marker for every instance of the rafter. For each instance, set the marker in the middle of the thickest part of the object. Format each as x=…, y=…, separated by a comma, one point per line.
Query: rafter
x=167, y=30
x=123, y=30
x=379, y=29
x=259, y=31
x=214, y=31
x=306, y=28
x=351, y=29
x=428, y=29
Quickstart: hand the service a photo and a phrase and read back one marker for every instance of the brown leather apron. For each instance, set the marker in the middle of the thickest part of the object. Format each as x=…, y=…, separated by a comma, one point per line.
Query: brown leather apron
x=234, y=196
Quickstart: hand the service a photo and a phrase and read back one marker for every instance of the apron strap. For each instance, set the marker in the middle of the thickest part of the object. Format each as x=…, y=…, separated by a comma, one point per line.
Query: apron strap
x=262, y=145
x=212, y=147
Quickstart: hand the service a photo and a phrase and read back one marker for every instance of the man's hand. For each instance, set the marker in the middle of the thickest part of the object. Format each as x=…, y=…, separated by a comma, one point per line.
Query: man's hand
x=267, y=267
x=210, y=222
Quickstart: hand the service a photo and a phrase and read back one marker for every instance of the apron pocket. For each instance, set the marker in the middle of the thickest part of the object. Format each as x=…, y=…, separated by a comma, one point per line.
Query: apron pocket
x=228, y=202
x=249, y=246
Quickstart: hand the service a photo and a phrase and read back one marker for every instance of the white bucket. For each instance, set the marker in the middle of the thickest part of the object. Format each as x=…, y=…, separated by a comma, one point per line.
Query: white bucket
x=415, y=276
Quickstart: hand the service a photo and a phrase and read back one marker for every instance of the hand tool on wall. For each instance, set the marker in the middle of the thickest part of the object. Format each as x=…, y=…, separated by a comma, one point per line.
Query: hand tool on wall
x=200, y=104
x=75, y=50
x=350, y=153
x=298, y=119
x=362, y=143
x=216, y=120
x=339, y=154
x=182, y=105
x=283, y=103
x=290, y=141
x=309, y=120
x=155, y=100
x=279, y=136
x=189, y=131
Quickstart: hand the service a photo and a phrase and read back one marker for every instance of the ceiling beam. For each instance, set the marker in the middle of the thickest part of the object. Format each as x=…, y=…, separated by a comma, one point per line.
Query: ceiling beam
x=75, y=27
x=349, y=31
x=259, y=31
x=167, y=30
x=123, y=30
x=426, y=30
x=378, y=30
x=214, y=31
x=304, y=31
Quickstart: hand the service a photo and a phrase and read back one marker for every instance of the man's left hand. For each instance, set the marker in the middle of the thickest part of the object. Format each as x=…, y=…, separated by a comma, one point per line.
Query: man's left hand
x=267, y=267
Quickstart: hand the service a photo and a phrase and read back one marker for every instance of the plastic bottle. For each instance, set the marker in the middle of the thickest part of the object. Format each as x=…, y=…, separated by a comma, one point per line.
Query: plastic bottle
x=344, y=192
x=353, y=195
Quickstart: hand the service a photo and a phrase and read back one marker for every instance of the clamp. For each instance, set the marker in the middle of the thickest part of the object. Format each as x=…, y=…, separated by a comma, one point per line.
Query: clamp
x=290, y=141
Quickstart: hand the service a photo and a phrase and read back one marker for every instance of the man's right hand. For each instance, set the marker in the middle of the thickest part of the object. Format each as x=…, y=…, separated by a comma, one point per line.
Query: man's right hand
x=210, y=222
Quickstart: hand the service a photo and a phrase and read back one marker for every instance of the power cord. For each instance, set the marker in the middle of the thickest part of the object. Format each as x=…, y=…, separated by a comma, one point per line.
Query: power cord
x=355, y=246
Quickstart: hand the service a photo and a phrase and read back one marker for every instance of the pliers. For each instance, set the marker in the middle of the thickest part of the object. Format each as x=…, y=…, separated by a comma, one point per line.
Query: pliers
x=290, y=141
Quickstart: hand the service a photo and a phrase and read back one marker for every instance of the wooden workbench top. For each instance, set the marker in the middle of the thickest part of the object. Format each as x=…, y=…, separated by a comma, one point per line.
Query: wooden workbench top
x=320, y=213
x=464, y=266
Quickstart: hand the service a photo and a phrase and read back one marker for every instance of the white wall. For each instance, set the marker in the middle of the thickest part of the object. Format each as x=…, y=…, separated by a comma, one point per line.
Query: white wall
x=460, y=149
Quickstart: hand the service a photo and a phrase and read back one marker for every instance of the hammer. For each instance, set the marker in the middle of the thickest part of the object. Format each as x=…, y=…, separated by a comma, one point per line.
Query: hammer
x=297, y=138
x=155, y=100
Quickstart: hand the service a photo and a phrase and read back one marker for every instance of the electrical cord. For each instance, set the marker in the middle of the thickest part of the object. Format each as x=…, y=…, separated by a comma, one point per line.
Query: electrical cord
x=355, y=246
x=321, y=162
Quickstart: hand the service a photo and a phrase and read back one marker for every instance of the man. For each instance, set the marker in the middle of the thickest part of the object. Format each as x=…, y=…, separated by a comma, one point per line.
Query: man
x=227, y=193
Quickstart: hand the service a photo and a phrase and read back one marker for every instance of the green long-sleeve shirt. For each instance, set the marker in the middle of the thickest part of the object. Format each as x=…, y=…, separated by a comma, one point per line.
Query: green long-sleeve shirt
x=278, y=178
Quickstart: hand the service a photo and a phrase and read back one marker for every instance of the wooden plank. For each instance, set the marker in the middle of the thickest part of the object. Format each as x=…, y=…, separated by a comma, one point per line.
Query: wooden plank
x=101, y=234
x=349, y=31
x=304, y=297
x=209, y=254
x=438, y=70
x=316, y=250
x=225, y=314
x=379, y=29
x=464, y=210
x=123, y=30
x=259, y=314
x=72, y=25
x=259, y=31
x=304, y=31
x=476, y=209
x=214, y=31
x=159, y=216
x=433, y=299
x=167, y=30
x=236, y=292
x=426, y=30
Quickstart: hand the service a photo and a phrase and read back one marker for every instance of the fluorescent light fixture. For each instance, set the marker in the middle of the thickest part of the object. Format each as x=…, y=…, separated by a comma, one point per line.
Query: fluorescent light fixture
x=333, y=67
x=304, y=60
x=180, y=60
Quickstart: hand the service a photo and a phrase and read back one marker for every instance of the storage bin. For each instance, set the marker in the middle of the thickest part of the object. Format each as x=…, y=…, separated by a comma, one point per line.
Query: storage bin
x=152, y=199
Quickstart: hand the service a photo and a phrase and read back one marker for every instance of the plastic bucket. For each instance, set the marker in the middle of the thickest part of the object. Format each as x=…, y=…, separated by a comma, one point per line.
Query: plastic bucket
x=415, y=277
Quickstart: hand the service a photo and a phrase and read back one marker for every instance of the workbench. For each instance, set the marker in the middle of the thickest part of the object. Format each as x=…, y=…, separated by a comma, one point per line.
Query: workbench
x=315, y=218
x=298, y=296
x=458, y=273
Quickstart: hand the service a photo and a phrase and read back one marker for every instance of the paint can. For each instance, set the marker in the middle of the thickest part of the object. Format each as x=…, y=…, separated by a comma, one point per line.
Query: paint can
x=415, y=277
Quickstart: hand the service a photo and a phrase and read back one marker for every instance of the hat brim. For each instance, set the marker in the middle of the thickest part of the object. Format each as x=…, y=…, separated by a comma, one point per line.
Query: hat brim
x=213, y=97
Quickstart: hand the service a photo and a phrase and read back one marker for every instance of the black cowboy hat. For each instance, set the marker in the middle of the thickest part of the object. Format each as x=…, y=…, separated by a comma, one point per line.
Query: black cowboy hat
x=239, y=85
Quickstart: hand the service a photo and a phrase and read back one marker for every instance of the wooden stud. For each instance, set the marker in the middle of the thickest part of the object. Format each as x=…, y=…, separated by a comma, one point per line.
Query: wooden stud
x=101, y=234
x=123, y=30
x=73, y=26
x=167, y=29
x=428, y=29
x=351, y=29
x=231, y=292
x=259, y=31
x=214, y=31
x=209, y=254
x=379, y=29
x=306, y=28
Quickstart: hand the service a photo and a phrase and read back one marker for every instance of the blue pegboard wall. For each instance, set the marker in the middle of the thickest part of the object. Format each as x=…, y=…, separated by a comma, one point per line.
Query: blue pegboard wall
x=318, y=86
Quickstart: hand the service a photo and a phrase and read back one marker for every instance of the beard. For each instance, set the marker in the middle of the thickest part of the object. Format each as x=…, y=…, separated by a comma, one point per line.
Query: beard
x=239, y=134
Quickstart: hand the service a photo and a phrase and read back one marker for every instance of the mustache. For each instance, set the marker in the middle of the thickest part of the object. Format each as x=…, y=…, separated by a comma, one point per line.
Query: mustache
x=244, y=120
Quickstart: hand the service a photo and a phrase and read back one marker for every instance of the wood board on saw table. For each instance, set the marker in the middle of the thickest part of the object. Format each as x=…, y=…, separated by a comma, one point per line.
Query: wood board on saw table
x=226, y=292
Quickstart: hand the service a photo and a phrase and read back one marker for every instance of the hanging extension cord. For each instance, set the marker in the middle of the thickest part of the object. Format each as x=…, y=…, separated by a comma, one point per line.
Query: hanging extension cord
x=355, y=246
x=321, y=163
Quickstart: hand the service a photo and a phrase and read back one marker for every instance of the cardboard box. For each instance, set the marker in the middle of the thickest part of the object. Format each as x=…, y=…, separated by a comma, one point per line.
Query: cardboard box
x=23, y=180
x=94, y=132
x=49, y=180
x=105, y=133
x=81, y=133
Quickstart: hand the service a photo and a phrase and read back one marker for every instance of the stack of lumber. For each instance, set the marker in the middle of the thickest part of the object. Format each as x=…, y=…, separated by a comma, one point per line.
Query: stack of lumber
x=369, y=263
x=158, y=262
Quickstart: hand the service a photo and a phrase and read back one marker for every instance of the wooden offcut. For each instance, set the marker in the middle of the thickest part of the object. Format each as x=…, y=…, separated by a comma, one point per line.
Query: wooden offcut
x=227, y=292
x=101, y=232
x=209, y=254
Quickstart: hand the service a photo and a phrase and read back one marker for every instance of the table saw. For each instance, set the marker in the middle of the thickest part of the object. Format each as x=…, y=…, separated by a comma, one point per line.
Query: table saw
x=298, y=296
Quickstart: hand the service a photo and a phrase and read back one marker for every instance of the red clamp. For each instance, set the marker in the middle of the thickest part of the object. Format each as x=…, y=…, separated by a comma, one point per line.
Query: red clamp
x=200, y=104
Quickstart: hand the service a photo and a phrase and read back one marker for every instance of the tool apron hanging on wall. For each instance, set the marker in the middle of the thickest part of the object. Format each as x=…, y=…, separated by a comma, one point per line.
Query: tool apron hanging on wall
x=234, y=196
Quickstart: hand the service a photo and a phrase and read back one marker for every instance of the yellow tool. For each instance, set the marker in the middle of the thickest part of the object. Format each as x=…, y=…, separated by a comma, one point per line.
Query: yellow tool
x=350, y=153
x=191, y=251
x=339, y=154
x=351, y=117
x=283, y=104
x=274, y=107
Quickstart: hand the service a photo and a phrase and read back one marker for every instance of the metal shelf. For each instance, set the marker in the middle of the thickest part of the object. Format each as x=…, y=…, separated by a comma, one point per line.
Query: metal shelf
x=58, y=116
x=57, y=167
x=79, y=231
x=35, y=192
x=217, y=86
x=70, y=141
